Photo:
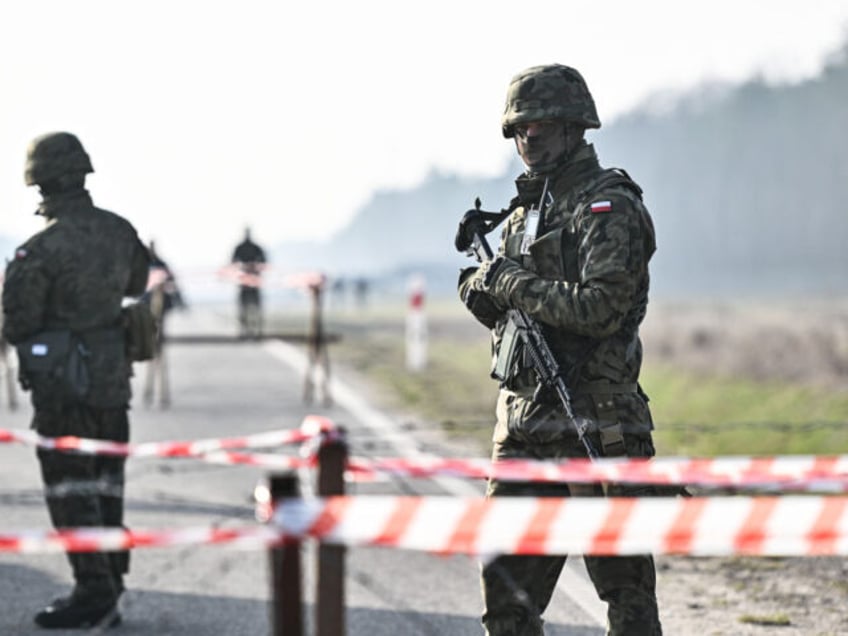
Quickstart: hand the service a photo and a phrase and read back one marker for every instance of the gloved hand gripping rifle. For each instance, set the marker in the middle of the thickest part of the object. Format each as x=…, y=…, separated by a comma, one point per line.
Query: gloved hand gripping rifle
x=472, y=240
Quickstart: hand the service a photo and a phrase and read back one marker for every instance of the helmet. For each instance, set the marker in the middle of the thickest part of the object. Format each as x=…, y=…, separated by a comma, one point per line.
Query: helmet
x=55, y=155
x=553, y=91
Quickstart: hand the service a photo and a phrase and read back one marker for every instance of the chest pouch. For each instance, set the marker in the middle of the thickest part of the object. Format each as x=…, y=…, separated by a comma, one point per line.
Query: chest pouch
x=555, y=255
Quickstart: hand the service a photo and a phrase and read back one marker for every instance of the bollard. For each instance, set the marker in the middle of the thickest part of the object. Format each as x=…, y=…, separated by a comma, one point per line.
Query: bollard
x=330, y=597
x=286, y=602
x=416, y=327
x=317, y=376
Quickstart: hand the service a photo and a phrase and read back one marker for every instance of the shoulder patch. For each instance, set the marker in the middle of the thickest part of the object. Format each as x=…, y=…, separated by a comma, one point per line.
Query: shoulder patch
x=601, y=206
x=20, y=253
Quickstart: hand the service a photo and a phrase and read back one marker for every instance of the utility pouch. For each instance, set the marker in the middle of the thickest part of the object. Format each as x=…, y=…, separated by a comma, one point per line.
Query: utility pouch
x=140, y=331
x=609, y=427
x=54, y=365
x=548, y=255
x=506, y=351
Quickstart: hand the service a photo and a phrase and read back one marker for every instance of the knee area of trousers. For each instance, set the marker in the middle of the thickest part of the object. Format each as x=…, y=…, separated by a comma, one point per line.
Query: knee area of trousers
x=632, y=613
x=513, y=622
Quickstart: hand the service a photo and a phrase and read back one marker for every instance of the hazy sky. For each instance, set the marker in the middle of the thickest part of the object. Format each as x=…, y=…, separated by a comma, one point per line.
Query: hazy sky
x=202, y=117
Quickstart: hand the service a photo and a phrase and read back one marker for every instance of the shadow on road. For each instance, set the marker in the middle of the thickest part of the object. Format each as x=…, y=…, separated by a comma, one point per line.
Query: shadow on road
x=387, y=623
x=147, y=612
x=25, y=590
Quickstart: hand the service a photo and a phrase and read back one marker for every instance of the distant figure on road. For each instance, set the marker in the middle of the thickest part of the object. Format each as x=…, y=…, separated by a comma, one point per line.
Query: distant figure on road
x=162, y=295
x=62, y=306
x=250, y=260
x=573, y=258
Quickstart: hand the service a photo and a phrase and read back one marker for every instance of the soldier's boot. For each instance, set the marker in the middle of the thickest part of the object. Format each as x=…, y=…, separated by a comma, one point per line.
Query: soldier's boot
x=84, y=608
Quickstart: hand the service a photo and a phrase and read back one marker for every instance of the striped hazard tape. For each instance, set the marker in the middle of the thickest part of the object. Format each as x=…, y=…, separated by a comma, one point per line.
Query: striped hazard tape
x=311, y=427
x=759, y=526
x=796, y=473
x=792, y=525
x=108, y=539
x=260, y=275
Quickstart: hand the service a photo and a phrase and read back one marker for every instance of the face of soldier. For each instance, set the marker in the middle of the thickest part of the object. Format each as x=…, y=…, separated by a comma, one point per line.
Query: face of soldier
x=541, y=144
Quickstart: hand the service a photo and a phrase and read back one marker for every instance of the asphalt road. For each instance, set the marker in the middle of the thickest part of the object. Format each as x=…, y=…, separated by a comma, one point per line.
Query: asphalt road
x=227, y=390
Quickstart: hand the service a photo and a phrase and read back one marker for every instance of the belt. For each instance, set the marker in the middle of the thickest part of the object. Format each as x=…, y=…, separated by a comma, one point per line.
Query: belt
x=600, y=386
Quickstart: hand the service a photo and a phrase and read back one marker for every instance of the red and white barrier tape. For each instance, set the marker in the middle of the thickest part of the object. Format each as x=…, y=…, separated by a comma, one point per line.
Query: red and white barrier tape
x=510, y=525
x=108, y=539
x=265, y=278
x=760, y=526
x=262, y=460
x=311, y=427
x=799, y=473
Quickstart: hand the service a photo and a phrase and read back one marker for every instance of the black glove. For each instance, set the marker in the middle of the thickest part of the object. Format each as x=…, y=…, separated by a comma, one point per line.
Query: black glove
x=479, y=303
x=483, y=307
x=471, y=222
x=484, y=277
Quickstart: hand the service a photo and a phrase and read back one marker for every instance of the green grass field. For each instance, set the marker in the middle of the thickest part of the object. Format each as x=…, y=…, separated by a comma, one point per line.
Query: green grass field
x=695, y=415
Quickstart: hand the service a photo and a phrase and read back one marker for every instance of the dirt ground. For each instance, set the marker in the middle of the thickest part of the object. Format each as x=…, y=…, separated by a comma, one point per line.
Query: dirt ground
x=804, y=342
x=746, y=595
x=800, y=341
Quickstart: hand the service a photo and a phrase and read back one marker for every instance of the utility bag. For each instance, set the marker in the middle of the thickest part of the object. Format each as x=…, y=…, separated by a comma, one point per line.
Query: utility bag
x=53, y=364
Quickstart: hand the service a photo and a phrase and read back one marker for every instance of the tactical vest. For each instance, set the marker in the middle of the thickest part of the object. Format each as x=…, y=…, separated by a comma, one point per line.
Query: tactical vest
x=554, y=255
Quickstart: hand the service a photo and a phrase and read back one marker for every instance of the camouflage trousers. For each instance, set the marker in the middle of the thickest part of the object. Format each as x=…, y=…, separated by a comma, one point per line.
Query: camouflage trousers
x=86, y=490
x=517, y=589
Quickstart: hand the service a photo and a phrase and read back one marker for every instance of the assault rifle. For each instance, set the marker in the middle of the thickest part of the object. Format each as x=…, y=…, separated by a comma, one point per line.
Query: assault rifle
x=476, y=224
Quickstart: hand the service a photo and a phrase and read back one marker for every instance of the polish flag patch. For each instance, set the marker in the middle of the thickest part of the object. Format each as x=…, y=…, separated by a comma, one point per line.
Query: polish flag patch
x=601, y=206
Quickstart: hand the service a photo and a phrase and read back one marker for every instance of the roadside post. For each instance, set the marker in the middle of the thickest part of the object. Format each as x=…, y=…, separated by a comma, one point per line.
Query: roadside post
x=416, y=327
x=286, y=597
x=330, y=597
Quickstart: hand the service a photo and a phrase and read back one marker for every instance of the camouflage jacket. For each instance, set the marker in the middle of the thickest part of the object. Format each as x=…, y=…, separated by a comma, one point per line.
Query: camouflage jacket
x=74, y=275
x=585, y=280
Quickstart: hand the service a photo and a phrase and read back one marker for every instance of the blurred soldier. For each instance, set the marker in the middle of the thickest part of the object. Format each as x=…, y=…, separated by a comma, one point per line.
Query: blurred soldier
x=6, y=365
x=574, y=255
x=250, y=259
x=360, y=290
x=62, y=304
x=162, y=295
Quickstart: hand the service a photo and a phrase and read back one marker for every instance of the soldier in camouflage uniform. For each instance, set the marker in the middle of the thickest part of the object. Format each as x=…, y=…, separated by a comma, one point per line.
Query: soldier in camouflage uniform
x=574, y=255
x=71, y=278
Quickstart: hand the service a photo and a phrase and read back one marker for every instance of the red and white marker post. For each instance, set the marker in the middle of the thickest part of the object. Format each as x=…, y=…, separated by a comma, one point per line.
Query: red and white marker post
x=416, y=327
